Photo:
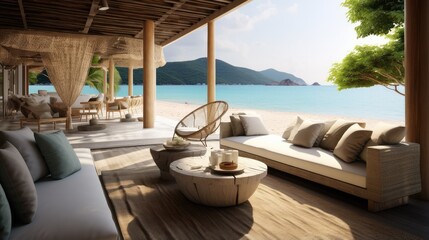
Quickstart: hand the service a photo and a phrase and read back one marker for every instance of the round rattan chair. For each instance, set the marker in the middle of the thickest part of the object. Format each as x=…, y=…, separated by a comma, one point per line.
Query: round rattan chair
x=202, y=122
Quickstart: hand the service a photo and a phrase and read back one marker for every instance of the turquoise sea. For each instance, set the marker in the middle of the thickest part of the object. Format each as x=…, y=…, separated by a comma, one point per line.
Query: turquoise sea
x=373, y=103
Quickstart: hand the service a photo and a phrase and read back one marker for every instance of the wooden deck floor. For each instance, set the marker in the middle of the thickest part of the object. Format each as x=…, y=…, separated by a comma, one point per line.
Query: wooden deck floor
x=412, y=218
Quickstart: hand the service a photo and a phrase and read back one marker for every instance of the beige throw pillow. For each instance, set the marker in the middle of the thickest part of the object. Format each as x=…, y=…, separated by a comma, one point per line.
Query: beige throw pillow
x=383, y=134
x=253, y=125
x=236, y=126
x=335, y=133
x=325, y=129
x=307, y=134
x=351, y=143
x=387, y=134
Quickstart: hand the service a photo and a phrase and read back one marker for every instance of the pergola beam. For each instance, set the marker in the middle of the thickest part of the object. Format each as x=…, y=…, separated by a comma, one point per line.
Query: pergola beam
x=21, y=9
x=165, y=16
x=91, y=15
x=204, y=21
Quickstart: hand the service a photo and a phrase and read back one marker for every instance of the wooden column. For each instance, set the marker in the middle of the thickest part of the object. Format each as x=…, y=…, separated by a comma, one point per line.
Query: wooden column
x=417, y=83
x=149, y=75
x=130, y=80
x=105, y=84
x=211, y=63
x=26, y=85
x=111, y=80
x=4, y=90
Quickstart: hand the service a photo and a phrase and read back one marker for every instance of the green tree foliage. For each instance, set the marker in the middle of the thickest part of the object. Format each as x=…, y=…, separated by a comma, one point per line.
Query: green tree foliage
x=95, y=77
x=367, y=66
x=32, y=77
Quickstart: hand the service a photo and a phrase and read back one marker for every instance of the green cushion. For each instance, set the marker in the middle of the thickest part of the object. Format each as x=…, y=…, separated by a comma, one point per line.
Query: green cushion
x=59, y=155
x=5, y=216
x=17, y=183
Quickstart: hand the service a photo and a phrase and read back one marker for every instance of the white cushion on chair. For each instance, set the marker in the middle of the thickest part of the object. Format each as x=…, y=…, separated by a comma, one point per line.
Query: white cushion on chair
x=186, y=130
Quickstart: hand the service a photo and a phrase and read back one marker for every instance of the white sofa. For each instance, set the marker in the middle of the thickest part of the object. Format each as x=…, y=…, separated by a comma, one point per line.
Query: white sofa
x=71, y=208
x=77, y=104
x=389, y=176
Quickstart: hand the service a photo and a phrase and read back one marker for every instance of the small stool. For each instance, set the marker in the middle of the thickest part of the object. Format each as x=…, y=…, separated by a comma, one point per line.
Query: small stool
x=164, y=157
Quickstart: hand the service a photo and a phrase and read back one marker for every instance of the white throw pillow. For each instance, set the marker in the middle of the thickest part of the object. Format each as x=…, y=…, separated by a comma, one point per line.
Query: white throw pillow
x=287, y=132
x=294, y=130
x=253, y=125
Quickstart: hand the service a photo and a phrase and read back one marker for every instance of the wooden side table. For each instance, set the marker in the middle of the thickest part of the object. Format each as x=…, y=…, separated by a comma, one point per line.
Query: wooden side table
x=163, y=157
x=202, y=186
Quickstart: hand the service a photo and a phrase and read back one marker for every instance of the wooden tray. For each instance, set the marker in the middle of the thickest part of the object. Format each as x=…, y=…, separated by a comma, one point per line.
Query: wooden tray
x=219, y=170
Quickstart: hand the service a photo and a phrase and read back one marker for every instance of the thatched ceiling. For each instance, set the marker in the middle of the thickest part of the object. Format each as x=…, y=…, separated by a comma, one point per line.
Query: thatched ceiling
x=173, y=18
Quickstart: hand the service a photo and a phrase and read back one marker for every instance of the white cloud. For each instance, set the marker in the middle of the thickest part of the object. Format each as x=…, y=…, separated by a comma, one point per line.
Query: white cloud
x=292, y=8
x=240, y=21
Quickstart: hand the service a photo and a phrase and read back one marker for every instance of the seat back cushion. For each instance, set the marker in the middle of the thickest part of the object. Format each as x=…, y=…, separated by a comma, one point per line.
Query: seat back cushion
x=23, y=140
x=17, y=183
x=5, y=216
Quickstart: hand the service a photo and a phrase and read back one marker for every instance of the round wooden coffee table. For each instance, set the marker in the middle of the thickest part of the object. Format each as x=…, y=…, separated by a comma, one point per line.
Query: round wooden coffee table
x=163, y=157
x=200, y=184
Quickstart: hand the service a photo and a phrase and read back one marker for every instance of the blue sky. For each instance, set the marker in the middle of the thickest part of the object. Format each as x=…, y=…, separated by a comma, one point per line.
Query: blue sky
x=302, y=37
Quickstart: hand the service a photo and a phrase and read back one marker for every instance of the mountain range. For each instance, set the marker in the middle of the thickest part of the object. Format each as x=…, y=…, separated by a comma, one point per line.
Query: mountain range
x=195, y=72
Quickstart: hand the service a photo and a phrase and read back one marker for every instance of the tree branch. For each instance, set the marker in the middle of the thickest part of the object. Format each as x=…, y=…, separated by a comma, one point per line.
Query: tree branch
x=393, y=87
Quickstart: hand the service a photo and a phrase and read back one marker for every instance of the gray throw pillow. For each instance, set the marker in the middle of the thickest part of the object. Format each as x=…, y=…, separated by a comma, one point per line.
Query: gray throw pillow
x=236, y=125
x=5, y=216
x=23, y=140
x=17, y=184
x=59, y=155
x=307, y=134
x=351, y=143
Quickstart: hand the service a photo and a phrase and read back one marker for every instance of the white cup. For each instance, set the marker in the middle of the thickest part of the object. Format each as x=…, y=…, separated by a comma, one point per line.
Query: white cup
x=227, y=157
x=213, y=161
x=234, y=156
x=219, y=157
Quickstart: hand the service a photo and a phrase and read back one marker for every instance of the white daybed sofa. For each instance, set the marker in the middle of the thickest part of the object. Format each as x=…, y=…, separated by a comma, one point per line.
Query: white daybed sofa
x=71, y=208
x=51, y=191
x=389, y=176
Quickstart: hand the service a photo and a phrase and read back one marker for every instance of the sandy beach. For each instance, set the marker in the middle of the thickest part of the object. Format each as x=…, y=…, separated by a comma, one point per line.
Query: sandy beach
x=275, y=122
